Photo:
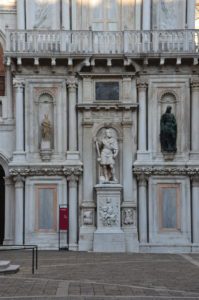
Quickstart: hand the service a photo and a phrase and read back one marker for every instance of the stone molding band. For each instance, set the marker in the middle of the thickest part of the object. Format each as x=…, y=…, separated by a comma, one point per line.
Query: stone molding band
x=69, y=172
x=173, y=171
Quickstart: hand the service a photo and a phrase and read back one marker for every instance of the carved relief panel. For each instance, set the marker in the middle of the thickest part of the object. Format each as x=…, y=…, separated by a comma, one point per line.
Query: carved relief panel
x=43, y=14
x=168, y=14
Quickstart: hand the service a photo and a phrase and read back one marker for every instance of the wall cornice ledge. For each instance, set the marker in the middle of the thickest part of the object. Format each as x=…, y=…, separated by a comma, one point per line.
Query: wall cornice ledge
x=106, y=106
x=166, y=171
x=46, y=171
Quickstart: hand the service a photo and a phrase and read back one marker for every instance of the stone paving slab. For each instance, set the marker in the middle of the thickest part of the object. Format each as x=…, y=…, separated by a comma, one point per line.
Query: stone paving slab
x=98, y=276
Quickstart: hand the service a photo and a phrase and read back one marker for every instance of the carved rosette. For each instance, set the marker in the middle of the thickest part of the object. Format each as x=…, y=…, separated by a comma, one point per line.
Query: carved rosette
x=88, y=217
x=129, y=217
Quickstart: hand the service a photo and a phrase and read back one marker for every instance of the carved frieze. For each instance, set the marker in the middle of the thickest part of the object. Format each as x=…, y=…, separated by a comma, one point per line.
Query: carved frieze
x=49, y=171
x=129, y=216
x=88, y=217
x=165, y=171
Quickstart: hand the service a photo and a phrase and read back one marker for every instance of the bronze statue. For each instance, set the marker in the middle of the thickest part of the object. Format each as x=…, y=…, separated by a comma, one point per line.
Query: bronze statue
x=168, y=131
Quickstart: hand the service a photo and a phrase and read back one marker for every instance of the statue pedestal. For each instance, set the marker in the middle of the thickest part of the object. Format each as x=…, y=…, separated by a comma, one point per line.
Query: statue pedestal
x=45, y=150
x=109, y=237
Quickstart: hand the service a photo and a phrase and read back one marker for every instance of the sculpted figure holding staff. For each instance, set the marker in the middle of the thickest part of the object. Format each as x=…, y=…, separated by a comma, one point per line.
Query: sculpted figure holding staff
x=107, y=149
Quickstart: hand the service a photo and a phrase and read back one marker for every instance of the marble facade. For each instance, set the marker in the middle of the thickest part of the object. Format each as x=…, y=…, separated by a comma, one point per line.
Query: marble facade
x=80, y=68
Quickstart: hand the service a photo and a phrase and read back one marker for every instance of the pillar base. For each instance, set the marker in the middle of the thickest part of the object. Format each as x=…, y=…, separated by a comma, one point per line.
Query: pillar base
x=73, y=247
x=72, y=155
x=109, y=237
x=19, y=156
x=143, y=156
x=109, y=241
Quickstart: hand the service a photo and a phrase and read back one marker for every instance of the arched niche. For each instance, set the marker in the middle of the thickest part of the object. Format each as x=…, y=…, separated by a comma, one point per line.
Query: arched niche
x=46, y=107
x=168, y=98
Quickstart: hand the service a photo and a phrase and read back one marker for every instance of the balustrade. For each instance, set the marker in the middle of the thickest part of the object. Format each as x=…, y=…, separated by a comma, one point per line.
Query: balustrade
x=101, y=42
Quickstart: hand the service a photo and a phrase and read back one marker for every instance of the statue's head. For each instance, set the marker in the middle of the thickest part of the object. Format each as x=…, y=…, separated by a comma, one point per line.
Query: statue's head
x=168, y=109
x=108, y=133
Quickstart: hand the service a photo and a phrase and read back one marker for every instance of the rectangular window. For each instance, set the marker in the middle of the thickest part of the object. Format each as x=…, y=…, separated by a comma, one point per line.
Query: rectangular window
x=46, y=214
x=169, y=206
x=107, y=91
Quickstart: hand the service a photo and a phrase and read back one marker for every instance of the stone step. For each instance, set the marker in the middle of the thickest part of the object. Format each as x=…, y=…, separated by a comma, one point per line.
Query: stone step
x=7, y=268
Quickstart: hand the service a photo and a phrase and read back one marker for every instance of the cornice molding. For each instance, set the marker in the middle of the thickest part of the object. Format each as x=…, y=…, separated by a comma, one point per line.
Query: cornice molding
x=165, y=171
x=49, y=171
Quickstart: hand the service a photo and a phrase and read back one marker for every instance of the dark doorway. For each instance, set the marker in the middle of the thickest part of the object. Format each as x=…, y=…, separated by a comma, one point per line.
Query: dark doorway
x=2, y=205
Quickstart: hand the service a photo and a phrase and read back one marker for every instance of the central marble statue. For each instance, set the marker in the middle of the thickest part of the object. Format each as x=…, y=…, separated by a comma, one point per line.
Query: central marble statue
x=107, y=149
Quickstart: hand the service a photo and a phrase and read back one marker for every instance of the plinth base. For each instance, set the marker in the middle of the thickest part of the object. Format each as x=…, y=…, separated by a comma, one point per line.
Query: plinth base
x=109, y=241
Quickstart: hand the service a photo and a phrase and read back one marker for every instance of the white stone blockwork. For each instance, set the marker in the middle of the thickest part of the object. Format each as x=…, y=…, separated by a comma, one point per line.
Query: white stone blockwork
x=84, y=86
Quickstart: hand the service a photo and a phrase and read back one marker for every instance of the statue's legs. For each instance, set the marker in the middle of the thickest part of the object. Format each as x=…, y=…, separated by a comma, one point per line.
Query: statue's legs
x=113, y=172
x=105, y=171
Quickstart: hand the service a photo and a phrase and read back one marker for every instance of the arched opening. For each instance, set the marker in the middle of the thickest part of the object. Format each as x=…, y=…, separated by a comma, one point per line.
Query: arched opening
x=2, y=205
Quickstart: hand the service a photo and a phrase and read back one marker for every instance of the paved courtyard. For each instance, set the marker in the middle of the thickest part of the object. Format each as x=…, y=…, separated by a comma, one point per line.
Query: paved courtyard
x=82, y=276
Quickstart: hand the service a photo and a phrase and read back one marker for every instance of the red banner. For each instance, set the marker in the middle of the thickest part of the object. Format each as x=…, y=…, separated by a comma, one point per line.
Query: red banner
x=63, y=218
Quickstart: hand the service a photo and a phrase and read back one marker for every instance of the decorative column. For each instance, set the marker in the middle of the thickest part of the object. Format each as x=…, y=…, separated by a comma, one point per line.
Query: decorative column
x=72, y=86
x=191, y=14
x=195, y=120
x=142, y=128
x=195, y=209
x=20, y=14
x=19, y=89
x=9, y=209
x=72, y=175
x=142, y=190
x=19, y=187
x=9, y=92
x=146, y=15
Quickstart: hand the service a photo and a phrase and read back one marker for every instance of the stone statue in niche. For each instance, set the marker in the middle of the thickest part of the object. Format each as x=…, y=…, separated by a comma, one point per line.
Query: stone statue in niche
x=107, y=150
x=128, y=217
x=46, y=137
x=46, y=129
x=168, y=131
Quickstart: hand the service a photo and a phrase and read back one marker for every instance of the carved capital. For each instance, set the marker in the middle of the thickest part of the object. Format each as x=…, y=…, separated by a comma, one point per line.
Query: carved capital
x=18, y=84
x=72, y=174
x=19, y=181
x=195, y=85
x=142, y=84
x=71, y=83
x=142, y=179
x=195, y=181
